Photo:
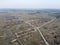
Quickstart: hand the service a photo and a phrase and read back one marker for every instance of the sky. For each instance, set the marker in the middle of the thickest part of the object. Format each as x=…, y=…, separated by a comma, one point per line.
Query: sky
x=30, y=4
